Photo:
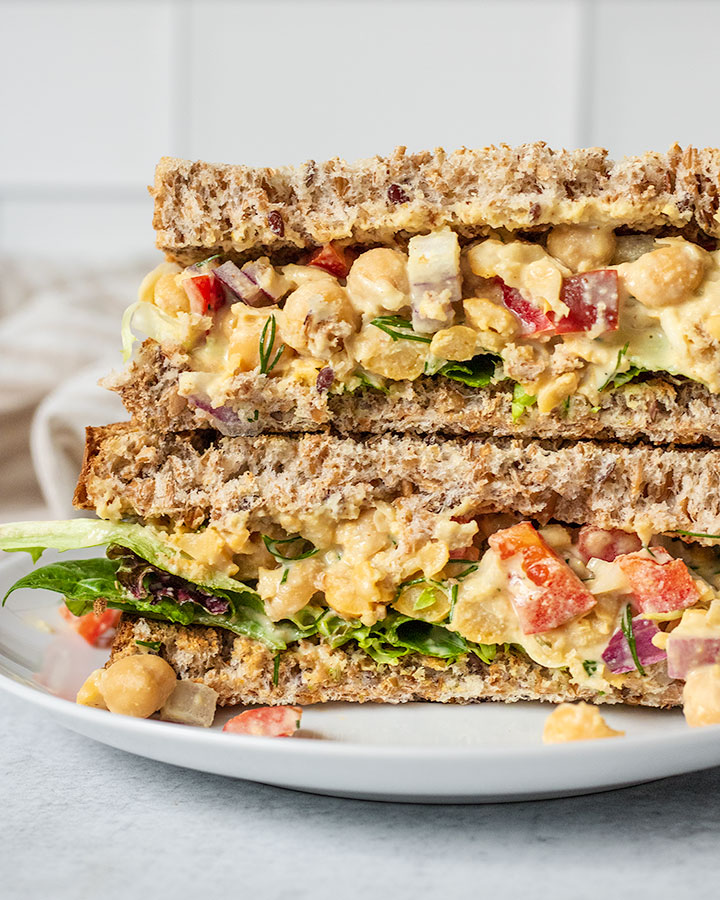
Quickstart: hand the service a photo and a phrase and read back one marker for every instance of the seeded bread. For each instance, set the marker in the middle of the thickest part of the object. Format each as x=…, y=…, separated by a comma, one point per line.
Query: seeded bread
x=659, y=410
x=241, y=670
x=203, y=208
x=197, y=478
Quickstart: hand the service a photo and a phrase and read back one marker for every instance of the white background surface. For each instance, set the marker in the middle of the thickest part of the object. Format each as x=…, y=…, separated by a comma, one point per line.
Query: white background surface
x=93, y=93
x=81, y=820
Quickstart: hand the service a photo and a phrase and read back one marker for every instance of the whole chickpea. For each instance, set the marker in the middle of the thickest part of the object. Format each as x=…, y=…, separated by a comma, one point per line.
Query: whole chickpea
x=666, y=276
x=378, y=282
x=701, y=696
x=138, y=685
x=582, y=247
x=317, y=318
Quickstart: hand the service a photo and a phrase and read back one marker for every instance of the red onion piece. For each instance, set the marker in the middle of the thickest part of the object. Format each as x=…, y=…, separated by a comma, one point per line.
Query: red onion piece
x=686, y=652
x=240, y=285
x=618, y=657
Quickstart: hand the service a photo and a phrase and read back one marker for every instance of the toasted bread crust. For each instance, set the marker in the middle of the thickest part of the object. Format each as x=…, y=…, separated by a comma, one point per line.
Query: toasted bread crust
x=203, y=207
x=189, y=479
x=241, y=670
x=658, y=410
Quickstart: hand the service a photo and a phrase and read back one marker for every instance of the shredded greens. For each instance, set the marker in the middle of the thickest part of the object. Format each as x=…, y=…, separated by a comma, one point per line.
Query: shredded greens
x=476, y=372
x=151, y=645
x=287, y=544
x=521, y=401
x=617, y=378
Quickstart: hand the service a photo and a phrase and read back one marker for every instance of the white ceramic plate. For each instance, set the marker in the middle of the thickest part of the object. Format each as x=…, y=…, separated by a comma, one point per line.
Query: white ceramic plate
x=419, y=752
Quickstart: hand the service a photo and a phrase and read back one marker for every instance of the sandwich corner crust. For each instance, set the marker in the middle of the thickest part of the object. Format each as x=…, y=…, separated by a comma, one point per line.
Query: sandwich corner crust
x=234, y=209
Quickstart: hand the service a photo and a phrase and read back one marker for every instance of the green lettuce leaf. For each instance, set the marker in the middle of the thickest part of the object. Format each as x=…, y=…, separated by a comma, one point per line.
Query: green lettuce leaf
x=79, y=534
x=520, y=402
x=84, y=581
x=476, y=372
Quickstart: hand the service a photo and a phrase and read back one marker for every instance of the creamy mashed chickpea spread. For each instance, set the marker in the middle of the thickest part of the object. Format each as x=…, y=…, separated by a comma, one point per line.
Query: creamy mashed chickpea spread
x=597, y=603
x=580, y=310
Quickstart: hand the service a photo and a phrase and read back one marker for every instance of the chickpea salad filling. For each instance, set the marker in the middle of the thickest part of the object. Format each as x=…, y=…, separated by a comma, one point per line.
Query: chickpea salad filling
x=597, y=603
x=578, y=310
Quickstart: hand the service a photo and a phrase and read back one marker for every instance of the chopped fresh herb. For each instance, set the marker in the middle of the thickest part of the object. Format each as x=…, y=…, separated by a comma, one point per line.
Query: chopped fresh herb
x=471, y=565
x=400, y=329
x=276, y=669
x=649, y=550
x=299, y=542
x=590, y=666
x=286, y=572
x=627, y=630
x=151, y=645
x=254, y=417
x=566, y=405
x=204, y=262
x=476, y=372
x=426, y=598
x=453, y=601
x=700, y=534
x=617, y=378
x=267, y=341
x=521, y=401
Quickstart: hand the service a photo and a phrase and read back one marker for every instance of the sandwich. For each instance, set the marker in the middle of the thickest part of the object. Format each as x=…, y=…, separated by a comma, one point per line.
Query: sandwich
x=426, y=427
x=496, y=292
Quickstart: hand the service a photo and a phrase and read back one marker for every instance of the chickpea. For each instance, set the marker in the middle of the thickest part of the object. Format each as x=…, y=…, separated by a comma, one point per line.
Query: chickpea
x=317, y=318
x=138, y=685
x=90, y=694
x=378, y=353
x=701, y=696
x=170, y=296
x=485, y=314
x=457, y=342
x=243, y=327
x=378, y=282
x=286, y=591
x=551, y=395
x=666, y=276
x=576, y=722
x=582, y=247
x=357, y=592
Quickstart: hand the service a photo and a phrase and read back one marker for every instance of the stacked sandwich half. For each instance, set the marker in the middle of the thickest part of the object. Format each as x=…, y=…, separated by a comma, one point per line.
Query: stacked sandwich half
x=430, y=426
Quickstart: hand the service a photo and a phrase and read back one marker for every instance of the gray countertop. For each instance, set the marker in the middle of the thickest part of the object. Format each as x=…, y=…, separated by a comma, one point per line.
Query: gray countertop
x=82, y=820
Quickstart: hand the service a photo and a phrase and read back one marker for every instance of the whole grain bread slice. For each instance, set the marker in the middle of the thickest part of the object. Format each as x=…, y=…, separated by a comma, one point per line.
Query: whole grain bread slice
x=242, y=671
x=658, y=410
x=203, y=208
x=197, y=478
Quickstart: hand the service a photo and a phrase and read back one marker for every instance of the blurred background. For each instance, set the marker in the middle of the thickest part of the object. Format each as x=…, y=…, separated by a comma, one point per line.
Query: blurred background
x=93, y=92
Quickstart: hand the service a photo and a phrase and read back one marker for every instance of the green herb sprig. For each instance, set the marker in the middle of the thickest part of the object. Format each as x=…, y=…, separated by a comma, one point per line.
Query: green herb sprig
x=267, y=341
x=151, y=645
x=272, y=545
x=627, y=629
x=400, y=329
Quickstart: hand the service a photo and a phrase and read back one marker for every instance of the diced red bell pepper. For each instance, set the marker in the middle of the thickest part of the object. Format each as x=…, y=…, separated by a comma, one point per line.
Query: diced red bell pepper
x=204, y=292
x=659, y=585
x=267, y=721
x=332, y=259
x=592, y=299
x=532, y=319
x=90, y=626
x=554, y=594
x=606, y=543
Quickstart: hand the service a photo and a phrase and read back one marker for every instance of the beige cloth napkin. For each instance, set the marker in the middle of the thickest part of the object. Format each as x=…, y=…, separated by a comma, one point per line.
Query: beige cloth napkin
x=59, y=332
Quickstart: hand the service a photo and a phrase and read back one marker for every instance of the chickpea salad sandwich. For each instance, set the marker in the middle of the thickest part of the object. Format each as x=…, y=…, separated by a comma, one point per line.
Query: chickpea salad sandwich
x=426, y=427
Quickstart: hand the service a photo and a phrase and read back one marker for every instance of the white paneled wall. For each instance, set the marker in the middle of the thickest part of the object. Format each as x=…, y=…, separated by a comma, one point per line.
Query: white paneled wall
x=92, y=92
